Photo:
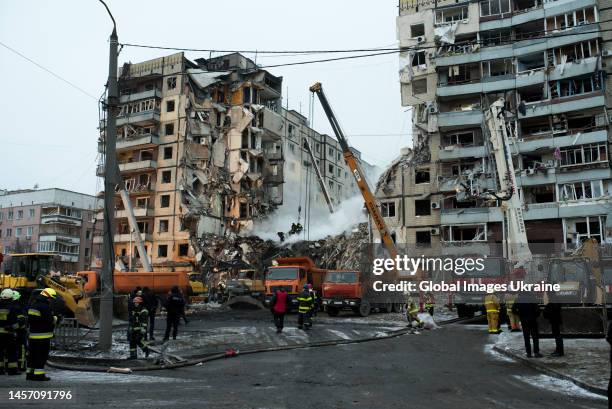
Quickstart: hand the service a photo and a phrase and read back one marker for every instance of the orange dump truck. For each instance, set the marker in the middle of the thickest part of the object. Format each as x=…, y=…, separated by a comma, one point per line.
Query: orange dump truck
x=353, y=290
x=160, y=282
x=291, y=273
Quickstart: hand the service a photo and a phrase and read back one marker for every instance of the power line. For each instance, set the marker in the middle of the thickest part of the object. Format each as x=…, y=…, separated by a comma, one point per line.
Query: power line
x=49, y=71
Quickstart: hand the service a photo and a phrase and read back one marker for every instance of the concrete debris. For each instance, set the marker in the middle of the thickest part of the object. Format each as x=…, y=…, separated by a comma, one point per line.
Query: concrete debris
x=409, y=157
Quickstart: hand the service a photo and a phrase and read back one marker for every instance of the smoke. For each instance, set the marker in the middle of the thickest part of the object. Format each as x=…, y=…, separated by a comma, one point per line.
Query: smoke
x=322, y=223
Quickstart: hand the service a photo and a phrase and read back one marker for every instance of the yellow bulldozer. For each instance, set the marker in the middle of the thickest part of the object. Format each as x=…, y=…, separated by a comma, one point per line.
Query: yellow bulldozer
x=29, y=272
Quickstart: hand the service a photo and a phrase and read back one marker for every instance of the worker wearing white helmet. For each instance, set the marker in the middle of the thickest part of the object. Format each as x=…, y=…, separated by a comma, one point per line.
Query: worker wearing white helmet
x=8, y=327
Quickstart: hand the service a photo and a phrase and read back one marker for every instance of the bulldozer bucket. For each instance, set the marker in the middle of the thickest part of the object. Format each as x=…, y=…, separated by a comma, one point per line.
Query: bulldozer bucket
x=84, y=313
x=244, y=302
x=578, y=322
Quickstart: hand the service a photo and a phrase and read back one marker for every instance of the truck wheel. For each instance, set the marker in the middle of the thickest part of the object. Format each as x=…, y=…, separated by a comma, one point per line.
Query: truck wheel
x=387, y=307
x=364, y=309
x=332, y=312
x=463, y=311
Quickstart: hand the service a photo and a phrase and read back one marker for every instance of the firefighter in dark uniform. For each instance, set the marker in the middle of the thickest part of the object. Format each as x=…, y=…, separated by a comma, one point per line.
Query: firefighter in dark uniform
x=8, y=328
x=139, y=319
x=21, y=332
x=305, y=306
x=41, y=323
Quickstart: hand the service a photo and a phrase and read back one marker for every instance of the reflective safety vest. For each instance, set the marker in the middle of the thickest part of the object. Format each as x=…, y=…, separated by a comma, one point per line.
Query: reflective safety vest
x=491, y=303
x=139, y=320
x=305, y=302
x=8, y=319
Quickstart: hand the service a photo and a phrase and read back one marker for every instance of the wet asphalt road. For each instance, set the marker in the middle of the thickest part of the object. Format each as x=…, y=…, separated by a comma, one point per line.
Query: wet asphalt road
x=447, y=368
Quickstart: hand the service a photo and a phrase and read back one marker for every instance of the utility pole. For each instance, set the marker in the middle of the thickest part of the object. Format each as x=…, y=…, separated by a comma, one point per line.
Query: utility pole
x=111, y=179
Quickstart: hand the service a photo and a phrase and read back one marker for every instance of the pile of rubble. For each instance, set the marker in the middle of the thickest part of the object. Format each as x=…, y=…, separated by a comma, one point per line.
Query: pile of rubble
x=343, y=251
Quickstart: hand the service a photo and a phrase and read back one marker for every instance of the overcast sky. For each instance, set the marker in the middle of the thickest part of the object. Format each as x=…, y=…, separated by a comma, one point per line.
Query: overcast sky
x=49, y=128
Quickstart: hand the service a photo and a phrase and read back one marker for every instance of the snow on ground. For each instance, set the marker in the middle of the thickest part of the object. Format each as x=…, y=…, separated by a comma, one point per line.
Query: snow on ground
x=586, y=360
x=77, y=376
x=339, y=334
x=561, y=386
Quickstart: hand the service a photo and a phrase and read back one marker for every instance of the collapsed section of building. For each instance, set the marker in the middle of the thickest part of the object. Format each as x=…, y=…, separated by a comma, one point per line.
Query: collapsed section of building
x=205, y=147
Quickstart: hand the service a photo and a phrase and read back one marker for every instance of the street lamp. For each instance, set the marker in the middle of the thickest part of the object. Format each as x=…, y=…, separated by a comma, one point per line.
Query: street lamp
x=111, y=179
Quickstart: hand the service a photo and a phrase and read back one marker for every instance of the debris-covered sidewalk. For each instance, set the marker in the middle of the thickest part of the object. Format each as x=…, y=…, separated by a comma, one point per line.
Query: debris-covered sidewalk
x=586, y=361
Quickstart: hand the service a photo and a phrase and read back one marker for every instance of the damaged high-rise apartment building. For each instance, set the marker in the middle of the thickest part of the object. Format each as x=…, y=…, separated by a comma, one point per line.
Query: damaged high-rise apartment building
x=205, y=146
x=550, y=61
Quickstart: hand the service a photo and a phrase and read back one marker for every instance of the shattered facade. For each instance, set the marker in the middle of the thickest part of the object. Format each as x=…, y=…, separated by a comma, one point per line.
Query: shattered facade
x=550, y=62
x=202, y=148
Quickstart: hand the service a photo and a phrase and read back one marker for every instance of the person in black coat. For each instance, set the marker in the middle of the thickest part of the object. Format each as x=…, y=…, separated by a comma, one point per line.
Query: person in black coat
x=150, y=303
x=528, y=310
x=552, y=312
x=175, y=309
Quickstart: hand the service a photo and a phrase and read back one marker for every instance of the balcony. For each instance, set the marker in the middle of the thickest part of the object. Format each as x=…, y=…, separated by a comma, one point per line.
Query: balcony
x=583, y=208
x=139, y=166
x=60, y=219
x=459, y=248
x=457, y=152
x=60, y=238
x=138, y=212
x=272, y=124
x=540, y=211
x=464, y=216
x=153, y=93
x=523, y=47
x=549, y=143
x=564, y=104
x=460, y=118
x=143, y=118
x=125, y=238
x=140, y=141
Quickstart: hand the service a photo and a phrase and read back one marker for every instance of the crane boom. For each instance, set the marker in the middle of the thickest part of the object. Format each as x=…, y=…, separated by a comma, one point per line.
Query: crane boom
x=511, y=203
x=319, y=177
x=351, y=161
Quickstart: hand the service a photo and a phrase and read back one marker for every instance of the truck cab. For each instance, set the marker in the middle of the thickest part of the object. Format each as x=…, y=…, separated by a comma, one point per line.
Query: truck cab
x=290, y=278
x=341, y=291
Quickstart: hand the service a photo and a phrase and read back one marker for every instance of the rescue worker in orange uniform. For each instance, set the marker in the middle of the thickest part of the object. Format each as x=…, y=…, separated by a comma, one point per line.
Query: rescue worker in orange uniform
x=491, y=302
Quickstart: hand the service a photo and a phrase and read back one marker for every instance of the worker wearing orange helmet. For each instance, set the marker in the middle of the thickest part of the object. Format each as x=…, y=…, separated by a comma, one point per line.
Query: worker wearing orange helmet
x=41, y=324
x=139, y=319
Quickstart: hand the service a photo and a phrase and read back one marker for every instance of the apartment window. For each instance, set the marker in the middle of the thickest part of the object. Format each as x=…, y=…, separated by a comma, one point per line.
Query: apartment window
x=168, y=152
x=421, y=176
x=1, y=216
x=292, y=148
x=494, y=7
x=171, y=82
x=166, y=176
x=29, y=231
x=9, y=232
x=331, y=184
x=87, y=251
x=331, y=152
x=142, y=202
x=582, y=190
x=246, y=95
x=18, y=231
x=465, y=233
x=317, y=147
x=419, y=86
x=460, y=139
x=418, y=59
x=87, y=234
x=584, y=228
x=423, y=238
x=163, y=226
x=496, y=68
x=169, y=129
x=291, y=130
x=170, y=106
x=31, y=214
x=0, y=232
x=417, y=30
x=183, y=250
x=162, y=250
x=19, y=214
x=584, y=154
x=422, y=207
x=244, y=210
x=338, y=172
x=451, y=14
x=164, y=201
x=387, y=209
x=330, y=169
